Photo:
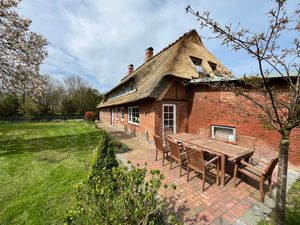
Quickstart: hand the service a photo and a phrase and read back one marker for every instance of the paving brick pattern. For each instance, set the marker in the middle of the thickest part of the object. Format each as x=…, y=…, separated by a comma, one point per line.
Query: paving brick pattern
x=216, y=205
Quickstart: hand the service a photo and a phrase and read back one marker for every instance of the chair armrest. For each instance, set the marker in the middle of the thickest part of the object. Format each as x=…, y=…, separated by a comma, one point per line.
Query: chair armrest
x=256, y=159
x=251, y=166
x=182, y=153
x=165, y=141
x=212, y=160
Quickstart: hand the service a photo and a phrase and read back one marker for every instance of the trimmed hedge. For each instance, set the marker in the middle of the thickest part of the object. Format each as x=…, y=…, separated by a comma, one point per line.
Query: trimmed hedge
x=114, y=194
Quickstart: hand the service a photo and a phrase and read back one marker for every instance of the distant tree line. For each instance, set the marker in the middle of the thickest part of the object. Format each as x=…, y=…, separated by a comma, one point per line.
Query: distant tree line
x=73, y=96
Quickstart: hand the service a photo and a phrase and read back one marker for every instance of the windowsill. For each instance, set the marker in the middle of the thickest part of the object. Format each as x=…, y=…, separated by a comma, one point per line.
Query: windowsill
x=133, y=123
x=122, y=120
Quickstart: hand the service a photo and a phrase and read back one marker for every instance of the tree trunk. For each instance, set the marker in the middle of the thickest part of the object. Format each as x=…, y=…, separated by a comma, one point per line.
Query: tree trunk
x=282, y=178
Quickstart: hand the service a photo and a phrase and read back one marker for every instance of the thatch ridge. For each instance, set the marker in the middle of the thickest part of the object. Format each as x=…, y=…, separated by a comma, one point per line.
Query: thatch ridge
x=172, y=60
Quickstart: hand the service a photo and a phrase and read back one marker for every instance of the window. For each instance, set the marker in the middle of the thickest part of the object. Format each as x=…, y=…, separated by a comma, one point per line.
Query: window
x=122, y=114
x=133, y=115
x=198, y=64
x=117, y=113
x=121, y=92
x=229, y=130
x=169, y=118
x=212, y=65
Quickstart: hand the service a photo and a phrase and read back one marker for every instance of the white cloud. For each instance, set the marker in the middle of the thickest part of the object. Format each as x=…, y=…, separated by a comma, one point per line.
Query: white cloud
x=98, y=39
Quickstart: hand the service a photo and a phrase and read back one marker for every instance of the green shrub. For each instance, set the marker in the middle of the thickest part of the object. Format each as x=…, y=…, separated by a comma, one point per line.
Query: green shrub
x=105, y=157
x=121, y=196
x=28, y=108
x=119, y=147
x=115, y=194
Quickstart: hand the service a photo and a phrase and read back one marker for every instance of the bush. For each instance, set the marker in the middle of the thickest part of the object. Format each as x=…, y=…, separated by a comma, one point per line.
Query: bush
x=115, y=194
x=9, y=104
x=105, y=157
x=119, y=147
x=121, y=196
x=29, y=108
x=89, y=116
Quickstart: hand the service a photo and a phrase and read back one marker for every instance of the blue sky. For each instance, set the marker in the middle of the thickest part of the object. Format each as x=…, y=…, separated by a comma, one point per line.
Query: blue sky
x=97, y=39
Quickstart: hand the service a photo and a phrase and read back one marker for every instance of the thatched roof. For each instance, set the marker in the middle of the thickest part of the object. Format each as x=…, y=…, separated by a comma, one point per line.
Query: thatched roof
x=174, y=60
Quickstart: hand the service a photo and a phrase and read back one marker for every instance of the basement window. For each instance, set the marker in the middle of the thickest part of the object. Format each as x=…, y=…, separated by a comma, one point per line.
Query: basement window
x=212, y=65
x=224, y=129
x=198, y=64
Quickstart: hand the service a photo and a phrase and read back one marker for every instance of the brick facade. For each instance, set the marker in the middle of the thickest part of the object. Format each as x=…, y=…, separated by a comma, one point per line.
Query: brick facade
x=201, y=107
x=209, y=107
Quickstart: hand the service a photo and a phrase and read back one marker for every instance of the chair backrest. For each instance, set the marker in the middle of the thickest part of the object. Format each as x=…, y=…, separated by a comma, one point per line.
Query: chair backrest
x=174, y=149
x=167, y=132
x=246, y=141
x=269, y=169
x=221, y=136
x=195, y=158
x=203, y=132
x=158, y=142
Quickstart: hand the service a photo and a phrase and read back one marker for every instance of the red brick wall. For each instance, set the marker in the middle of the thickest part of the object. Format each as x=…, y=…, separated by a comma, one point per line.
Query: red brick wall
x=151, y=113
x=181, y=116
x=211, y=107
x=144, y=129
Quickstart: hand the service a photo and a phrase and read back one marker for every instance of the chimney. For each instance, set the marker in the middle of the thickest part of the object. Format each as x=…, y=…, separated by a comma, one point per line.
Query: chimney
x=130, y=68
x=148, y=54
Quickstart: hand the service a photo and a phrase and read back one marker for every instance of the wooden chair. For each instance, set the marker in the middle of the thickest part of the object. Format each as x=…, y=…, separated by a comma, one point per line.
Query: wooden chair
x=221, y=136
x=260, y=175
x=196, y=162
x=165, y=135
x=177, y=154
x=161, y=147
x=246, y=141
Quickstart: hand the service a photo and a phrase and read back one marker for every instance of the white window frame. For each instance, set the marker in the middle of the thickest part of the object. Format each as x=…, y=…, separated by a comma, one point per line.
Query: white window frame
x=117, y=113
x=122, y=113
x=230, y=139
x=174, y=117
x=130, y=115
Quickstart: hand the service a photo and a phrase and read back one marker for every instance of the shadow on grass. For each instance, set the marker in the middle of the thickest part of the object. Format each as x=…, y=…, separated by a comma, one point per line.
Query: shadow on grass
x=79, y=141
x=119, y=135
x=29, y=126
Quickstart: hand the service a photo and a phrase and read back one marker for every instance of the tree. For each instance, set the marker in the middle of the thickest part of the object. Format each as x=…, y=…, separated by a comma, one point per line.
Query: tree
x=50, y=98
x=21, y=52
x=9, y=104
x=29, y=108
x=81, y=93
x=281, y=107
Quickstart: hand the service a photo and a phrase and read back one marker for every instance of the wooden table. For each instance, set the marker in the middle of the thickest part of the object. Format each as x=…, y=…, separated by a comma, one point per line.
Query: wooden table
x=217, y=147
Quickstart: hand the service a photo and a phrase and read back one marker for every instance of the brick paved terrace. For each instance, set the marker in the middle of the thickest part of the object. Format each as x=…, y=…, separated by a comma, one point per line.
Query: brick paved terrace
x=217, y=204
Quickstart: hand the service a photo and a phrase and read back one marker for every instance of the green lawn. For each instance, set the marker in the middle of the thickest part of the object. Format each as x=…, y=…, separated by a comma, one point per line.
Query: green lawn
x=40, y=165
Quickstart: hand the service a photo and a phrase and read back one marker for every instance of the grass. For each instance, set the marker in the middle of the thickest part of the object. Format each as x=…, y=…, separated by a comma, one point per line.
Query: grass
x=292, y=216
x=40, y=166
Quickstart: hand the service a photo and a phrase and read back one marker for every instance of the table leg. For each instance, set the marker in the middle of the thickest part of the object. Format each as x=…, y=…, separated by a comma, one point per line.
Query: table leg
x=223, y=170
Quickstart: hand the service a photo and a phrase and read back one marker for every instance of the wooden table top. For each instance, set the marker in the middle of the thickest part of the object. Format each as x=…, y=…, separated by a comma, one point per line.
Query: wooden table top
x=230, y=150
